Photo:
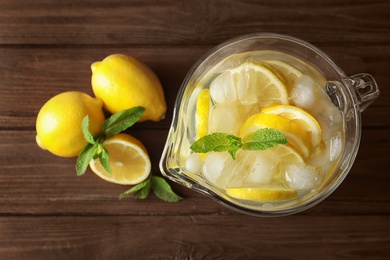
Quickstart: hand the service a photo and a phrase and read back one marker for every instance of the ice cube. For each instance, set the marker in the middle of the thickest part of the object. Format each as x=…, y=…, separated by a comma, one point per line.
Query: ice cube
x=329, y=119
x=320, y=156
x=246, y=88
x=302, y=177
x=214, y=165
x=224, y=118
x=194, y=163
x=308, y=95
x=222, y=89
x=261, y=168
x=336, y=146
x=253, y=168
x=303, y=92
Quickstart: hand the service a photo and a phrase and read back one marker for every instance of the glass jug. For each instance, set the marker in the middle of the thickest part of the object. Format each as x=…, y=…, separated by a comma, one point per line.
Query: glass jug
x=351, y=95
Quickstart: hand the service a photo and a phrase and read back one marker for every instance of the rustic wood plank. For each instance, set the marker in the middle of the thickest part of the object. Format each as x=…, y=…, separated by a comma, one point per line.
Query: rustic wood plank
x=188, y=22
x=30, y=76
x=195, y=237
x=34, y=182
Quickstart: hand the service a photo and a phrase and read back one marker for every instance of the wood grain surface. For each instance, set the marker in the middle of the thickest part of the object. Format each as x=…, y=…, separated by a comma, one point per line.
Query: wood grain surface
x=47, y=212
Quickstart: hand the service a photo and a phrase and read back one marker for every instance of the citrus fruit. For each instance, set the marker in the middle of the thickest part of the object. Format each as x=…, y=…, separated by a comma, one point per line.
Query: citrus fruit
x=58, y=123
x=300, y=116
x=294, y=132
x=202, y=112
x=123, y=82
x=129, y=161
x=270, y=193
x=249, y=83
x=289, y=73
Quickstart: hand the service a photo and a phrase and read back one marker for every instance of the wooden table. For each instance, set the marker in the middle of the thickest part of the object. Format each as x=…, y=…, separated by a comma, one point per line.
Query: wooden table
x=47, y=212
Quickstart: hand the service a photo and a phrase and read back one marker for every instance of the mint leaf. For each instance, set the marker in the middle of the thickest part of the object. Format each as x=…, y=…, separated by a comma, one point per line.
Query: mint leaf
x=159, y=186
x=217, y=142
x=135, y=189
x=162, y=190
x=104, y=158
x=220, y=142
x=145, y=191
x=85, y=128
x=122, y=120
x=85, y=156
x=263, y=139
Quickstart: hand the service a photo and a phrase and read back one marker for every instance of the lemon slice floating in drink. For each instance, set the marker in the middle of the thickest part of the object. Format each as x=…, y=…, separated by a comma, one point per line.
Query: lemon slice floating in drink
x=249, y=83
x=129, y=161
x=270, y=193
x=284, y=70
x=300, y=116
x=202, y=112
x=294, y=132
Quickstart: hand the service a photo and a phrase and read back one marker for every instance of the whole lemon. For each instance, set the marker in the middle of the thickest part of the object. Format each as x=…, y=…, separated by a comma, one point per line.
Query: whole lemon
x=59, y=122
x=123, y=82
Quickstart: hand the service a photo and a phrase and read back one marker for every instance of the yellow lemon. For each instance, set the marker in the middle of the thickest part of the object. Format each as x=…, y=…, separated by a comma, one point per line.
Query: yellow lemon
x=270, y=193
x=129, y=161
x=300, y=116
x=202, y=112
x=122, y=82
x=58, y=123
x=294, y=132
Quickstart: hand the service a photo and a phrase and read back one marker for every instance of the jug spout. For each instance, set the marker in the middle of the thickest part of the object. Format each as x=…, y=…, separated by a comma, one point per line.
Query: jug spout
x=366, y=89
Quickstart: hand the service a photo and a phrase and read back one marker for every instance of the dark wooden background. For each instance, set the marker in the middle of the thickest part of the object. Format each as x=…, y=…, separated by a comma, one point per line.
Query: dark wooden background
x=47, y=212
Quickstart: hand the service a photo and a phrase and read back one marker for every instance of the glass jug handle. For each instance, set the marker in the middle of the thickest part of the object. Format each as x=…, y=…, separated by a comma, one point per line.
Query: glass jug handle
x=366, y=89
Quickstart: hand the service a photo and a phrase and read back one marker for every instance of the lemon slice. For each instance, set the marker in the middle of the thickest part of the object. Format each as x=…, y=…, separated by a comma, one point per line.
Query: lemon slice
x=129, y=161
x=287, y=154
x=289, y=73
x=294, y=132
x=300, y=116
x=202, y=112
x=270, y=193
x=248, y=84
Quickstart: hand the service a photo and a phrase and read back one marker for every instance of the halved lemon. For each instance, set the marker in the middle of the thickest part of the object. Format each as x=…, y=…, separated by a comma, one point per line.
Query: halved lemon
x=202, y=112
x=129, y=161
x=300, y=116
x=269, y=193
x=248, y=84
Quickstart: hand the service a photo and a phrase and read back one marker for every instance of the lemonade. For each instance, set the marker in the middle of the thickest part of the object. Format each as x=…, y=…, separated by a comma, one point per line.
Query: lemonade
x=257, y=90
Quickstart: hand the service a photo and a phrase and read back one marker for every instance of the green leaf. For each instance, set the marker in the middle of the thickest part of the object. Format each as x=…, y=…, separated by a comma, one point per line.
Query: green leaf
x=85, y=128
x=144, y=192
x=263, y=139
x=162, y=190
x=135, y=189
x=122, y=120
x=104, y=159
x=85, y=157
x=217, y=142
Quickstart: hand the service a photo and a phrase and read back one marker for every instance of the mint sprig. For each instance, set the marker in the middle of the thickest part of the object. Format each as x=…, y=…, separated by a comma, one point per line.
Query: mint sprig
x=262, y=139
x=158, y=185
x=94, y=149
x=113, y=125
